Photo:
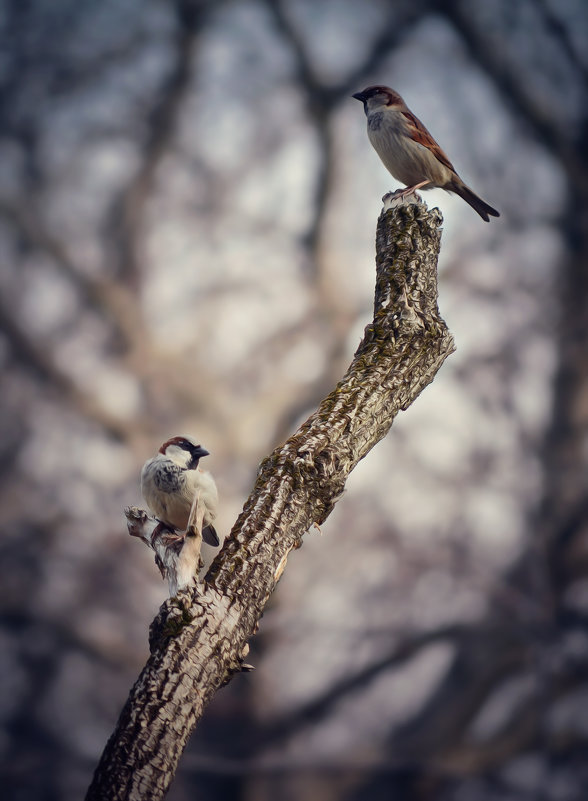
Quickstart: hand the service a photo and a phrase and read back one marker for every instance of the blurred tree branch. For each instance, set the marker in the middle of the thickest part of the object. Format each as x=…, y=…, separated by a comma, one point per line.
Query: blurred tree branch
x=199, y=639
x=128, y=208
x=40, y=362
x=561, y=34
x=515, y=88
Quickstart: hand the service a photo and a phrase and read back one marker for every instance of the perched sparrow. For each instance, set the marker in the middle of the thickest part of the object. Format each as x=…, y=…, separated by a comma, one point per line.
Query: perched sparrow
x=170, y=481
x=408, y=150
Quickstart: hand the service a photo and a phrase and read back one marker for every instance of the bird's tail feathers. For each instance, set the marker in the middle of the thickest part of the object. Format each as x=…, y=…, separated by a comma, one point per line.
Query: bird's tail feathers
x=483, y=208
x=210, y=536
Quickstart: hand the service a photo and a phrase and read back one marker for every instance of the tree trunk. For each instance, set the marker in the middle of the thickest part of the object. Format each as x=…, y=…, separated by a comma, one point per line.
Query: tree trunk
x=199, y=638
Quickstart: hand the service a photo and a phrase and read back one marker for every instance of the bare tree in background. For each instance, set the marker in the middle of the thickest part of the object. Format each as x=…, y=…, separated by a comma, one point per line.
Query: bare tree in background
x=181, y=188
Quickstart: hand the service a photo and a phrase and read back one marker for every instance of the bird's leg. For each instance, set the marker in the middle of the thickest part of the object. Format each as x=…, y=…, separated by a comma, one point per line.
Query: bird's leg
x=149, y=529
x=400, y=194
x=411, y=190
x=168, y=536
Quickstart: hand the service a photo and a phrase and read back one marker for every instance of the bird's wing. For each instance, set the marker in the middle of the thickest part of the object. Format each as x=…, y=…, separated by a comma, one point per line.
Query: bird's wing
x=419, y=133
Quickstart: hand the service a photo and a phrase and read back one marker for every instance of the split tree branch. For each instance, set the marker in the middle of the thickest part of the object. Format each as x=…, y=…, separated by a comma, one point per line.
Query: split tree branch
x=199, y=638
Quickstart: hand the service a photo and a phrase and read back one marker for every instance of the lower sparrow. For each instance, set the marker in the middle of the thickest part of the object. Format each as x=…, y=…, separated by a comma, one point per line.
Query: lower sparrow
x=170, y=482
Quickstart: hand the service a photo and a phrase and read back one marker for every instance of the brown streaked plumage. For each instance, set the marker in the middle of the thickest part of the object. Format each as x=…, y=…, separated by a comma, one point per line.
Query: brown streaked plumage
x=409, y=152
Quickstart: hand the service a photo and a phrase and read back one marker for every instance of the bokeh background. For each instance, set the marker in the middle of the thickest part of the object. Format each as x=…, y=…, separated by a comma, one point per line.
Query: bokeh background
x=188, y=204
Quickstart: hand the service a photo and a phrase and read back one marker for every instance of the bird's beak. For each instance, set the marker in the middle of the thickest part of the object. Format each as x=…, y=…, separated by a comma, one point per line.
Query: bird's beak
x=198, y=452
x=359, y=96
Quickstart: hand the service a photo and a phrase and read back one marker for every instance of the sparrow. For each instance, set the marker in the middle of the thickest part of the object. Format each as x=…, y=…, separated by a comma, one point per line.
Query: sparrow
x=408, y=150
x=170, y=481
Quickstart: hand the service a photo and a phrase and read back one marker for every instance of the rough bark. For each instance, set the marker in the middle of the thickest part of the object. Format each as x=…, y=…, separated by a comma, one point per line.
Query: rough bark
x=199, y=638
